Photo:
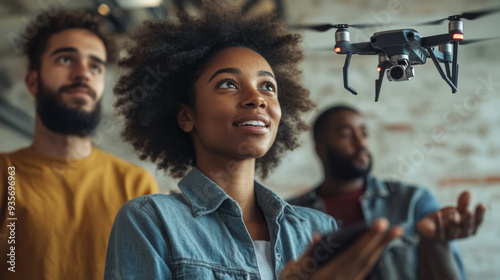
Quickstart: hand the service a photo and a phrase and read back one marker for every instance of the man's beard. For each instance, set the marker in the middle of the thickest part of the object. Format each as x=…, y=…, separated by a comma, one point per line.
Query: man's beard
x=59, y=118
x=343, y=167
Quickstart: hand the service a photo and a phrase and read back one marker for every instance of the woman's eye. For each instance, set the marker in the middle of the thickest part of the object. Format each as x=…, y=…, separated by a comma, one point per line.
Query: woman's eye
x=268, y=87
x=227, y=84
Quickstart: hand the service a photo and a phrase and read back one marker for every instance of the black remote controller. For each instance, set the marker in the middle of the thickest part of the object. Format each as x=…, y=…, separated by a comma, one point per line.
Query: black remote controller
x=334, y=243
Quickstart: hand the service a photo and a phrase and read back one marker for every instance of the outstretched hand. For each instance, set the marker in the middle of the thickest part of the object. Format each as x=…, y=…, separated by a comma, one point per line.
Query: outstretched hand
x=452, y=222
x=354, y=263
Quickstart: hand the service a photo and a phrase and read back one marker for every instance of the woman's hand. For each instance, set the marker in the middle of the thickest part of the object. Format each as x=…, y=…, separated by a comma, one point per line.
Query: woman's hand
x=354, y=263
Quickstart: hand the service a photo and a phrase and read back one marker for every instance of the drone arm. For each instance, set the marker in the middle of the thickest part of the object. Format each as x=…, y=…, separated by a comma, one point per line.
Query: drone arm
x=440, y=70
x=436, y=40
x=363, y=49
x=345, y=70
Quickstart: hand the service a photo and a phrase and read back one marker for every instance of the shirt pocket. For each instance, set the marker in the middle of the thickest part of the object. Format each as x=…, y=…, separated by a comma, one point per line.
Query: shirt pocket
x=194, y=270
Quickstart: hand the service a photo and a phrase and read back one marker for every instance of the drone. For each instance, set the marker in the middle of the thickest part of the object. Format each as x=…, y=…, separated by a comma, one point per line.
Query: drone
x=398, y=50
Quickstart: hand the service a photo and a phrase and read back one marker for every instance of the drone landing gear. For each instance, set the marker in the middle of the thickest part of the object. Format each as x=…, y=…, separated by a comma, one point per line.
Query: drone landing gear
x=455, y=65
x=452, y=80
x=378, y=83
x=346, y=70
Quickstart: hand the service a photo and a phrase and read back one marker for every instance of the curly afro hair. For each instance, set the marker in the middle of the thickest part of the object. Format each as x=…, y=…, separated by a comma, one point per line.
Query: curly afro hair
x=36, y=44
x=167, y=55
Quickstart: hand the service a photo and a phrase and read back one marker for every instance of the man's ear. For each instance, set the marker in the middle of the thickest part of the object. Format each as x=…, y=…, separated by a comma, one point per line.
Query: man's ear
x=31, y=81
x=185, y=118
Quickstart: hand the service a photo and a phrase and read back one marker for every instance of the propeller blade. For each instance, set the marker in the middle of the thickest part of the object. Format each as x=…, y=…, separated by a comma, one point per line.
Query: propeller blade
x=434, y=22
x=328, y=26
x=478, y=14
x=465, y=15
x=364, y=25
x=473, y=41
x=316, y=27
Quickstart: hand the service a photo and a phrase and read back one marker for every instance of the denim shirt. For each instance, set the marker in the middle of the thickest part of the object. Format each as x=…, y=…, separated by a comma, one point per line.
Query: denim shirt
x=200, y=234
x=402, y=205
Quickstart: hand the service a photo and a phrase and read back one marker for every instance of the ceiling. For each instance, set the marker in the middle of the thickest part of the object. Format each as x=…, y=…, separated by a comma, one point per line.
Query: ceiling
x=122, y=15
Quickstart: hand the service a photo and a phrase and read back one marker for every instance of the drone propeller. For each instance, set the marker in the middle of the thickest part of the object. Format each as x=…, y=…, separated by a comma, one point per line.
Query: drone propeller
x=327, y=26
x=473, y=41
x=465, y=15
x=478, y=14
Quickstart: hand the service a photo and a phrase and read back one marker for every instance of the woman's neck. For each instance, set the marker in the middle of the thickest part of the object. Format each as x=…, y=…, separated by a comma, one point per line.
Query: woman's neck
x=236, y=178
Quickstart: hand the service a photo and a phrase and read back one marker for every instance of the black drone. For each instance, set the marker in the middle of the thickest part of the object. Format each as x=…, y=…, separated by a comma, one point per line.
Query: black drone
x=399, y=49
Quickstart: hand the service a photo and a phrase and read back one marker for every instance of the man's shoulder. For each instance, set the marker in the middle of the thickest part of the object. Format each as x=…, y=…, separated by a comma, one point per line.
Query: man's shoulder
x=400, y=191
x=7, y=158
x=130, y=172
x=118, y=162
x=395, y=186
x=14, y=153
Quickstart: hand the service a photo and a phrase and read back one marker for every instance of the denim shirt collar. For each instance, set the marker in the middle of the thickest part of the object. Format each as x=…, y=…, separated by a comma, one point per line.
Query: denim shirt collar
x=375, y=187
x=205, y=196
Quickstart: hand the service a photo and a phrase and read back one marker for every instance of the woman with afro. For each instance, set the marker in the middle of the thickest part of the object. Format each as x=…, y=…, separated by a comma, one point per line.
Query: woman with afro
x=213, y=99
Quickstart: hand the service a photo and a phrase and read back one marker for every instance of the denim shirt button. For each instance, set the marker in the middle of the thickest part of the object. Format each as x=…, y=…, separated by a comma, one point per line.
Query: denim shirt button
x=278, y=256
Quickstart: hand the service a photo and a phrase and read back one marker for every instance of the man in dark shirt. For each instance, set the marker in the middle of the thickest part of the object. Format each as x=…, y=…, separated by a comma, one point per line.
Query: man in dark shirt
x=351, y=195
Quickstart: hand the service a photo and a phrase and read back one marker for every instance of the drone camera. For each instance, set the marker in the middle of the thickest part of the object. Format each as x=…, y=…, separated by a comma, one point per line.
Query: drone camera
x=397, y=73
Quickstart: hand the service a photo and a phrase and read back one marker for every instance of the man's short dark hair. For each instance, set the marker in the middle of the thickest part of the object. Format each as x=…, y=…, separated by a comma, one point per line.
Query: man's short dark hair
x=322, y=120
x=36, y=44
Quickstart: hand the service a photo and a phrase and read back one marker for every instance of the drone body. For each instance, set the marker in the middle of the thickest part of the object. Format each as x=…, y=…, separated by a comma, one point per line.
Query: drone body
x=399, y=50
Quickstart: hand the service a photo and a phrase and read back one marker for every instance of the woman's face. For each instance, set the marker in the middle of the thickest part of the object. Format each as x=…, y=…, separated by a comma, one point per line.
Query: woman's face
x=236, y=113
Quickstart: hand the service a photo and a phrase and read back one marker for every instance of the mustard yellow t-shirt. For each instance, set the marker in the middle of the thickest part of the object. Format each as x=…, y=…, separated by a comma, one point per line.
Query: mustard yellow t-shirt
x=56, y=215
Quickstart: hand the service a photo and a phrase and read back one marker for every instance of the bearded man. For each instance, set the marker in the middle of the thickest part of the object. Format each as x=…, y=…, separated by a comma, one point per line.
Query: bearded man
x=352, y=195
x=59, y=196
